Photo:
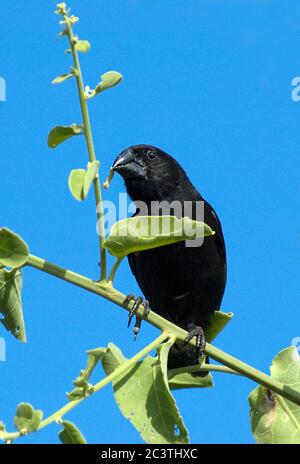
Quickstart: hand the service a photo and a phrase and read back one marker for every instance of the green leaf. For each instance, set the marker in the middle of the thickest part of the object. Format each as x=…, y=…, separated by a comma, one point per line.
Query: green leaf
x=90, y=176
x=76, y=394
x=76, y=183
x=73, y=19
x=81, y=392
x=27, y=418
x=61, y=9
x=275, y=420
x=60, y=134
x=187, y=380
x=217, y=323
x=112, y=359
x=71, y=435
x=83, y=46
x=108, y=80
x=13, y=250
x=143, y=396
x=80, y=180
x=11, y=304
x=94, y=357
x=62, y=78
x=146, y=232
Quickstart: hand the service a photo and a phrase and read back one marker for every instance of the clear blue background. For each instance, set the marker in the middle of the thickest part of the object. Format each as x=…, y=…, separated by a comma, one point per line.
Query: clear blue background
x=210, y=83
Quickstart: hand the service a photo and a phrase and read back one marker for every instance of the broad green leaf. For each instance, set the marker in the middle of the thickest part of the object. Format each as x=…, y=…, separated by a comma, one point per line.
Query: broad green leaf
x=11, y=304
x=13, y=250
x=143, y=396
x=146, y=232
x=62, y=78
x=27, y=418
x=80, y=181
x=112, y=359
x=90, y=176
x=94, y=357
x=188, y=380
x=177, y=427
x=275, y=420
x=108, y=80
x=217, y=323
x=71, y=435
x=2, y=427
x=60, y=134
x=83, y=46
x=76, y=183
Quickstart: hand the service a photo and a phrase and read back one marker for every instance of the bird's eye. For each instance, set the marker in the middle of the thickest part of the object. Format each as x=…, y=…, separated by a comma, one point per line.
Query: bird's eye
x=151, y=155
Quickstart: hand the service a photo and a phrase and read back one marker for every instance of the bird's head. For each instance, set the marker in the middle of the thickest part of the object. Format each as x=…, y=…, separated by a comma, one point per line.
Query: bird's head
x=149, y=173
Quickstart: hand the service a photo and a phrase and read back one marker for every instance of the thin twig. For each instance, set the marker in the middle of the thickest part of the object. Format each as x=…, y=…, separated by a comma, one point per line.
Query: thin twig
x=58, y=415
x=90, y=145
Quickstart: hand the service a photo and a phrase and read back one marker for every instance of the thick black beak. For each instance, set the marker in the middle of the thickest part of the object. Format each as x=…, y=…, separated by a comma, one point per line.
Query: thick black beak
x=128, y=166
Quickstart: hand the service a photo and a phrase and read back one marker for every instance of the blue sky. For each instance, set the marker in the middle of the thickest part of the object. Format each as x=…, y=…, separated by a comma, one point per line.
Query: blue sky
x=210, y=83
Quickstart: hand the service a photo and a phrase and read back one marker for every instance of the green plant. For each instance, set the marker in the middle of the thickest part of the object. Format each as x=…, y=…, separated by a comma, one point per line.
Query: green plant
x=275, y=413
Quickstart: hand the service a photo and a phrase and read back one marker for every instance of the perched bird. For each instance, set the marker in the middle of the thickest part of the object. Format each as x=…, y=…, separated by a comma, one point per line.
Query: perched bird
x=183, y=284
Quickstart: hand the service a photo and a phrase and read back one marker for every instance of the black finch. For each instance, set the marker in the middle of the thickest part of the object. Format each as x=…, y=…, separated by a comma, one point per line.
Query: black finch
x=183, y=284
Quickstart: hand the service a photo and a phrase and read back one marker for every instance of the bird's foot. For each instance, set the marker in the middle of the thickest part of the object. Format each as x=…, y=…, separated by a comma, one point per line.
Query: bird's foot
x=137, y=301
x=198, y=332
x=133, y=312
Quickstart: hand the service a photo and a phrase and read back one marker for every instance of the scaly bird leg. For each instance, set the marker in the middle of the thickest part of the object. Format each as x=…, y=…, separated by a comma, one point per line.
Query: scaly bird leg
x=137, y=302
x=138, y=322
x=198, y=332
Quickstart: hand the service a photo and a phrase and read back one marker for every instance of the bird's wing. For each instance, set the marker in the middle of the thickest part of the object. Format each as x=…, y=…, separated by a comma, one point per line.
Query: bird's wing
x=132, y=261
x=211, y=218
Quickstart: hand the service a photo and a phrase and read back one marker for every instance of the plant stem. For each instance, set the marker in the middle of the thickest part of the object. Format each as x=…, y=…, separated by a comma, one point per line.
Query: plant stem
x=204, y=367
x=58, y=415
x=113, y=295
x=114, y=270
x=90, y=145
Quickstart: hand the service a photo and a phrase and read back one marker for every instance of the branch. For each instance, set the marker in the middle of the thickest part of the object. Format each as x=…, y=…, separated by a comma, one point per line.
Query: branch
x=108, y=292
x=58, y=415
x=114, y=271
x=90, y=144
x=202, y=368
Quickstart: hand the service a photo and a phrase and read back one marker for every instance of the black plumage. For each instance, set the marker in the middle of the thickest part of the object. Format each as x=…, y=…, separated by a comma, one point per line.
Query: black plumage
x=183, y=284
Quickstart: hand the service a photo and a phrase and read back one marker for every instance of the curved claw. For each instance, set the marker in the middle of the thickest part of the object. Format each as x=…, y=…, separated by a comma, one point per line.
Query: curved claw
x=137, y=327
x=147, y=309
x=137, y=302
x=198, y=332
